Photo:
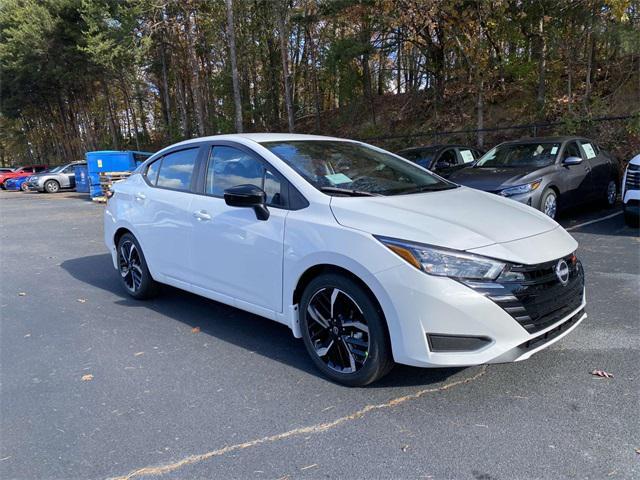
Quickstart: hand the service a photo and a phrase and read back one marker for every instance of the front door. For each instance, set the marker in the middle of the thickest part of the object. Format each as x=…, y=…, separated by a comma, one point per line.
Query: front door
x=235, y=255
x=577, y=177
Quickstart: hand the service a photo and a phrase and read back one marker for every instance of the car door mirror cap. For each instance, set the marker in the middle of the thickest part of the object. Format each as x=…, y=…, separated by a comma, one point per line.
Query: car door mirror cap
x=248, y=196
x=572, y=161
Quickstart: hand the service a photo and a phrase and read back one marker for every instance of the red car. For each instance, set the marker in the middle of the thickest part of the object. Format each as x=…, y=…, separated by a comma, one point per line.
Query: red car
x=20, y=172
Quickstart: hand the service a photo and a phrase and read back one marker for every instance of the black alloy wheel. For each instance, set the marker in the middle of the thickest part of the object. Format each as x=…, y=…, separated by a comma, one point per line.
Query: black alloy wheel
x=133, y=270
x=344, y=331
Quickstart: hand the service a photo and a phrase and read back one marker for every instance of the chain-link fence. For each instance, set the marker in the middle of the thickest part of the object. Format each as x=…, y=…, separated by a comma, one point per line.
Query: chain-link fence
x=604, y=130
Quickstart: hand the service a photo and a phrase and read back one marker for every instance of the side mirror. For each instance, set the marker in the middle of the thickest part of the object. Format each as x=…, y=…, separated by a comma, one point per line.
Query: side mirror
x=572, y=161
x=248, y=196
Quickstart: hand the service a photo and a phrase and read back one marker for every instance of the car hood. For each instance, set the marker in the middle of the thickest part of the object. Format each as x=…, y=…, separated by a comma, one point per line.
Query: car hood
x=460, y=218
x=492, y=179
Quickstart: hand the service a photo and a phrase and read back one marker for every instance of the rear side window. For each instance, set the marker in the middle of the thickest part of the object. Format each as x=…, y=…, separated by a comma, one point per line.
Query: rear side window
x=229, y=166
x=38, y=169
x=175, y=170
x=590, y=149
x=467, y=155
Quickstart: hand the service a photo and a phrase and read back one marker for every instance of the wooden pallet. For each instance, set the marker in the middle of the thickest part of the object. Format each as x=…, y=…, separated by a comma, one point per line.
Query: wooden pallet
x=109, y=178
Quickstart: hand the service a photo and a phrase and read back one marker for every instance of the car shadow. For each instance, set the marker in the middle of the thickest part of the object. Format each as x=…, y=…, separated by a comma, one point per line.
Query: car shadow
x=251, y=332
x=582, y=216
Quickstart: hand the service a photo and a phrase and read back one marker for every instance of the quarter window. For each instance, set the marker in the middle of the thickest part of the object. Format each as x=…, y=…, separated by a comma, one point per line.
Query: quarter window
x=152, y=172
x=176, y=169
x=229, y=166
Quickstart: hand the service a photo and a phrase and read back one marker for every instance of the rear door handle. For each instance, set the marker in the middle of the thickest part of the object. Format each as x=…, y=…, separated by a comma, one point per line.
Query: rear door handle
x=202, y=215
x=140, y=196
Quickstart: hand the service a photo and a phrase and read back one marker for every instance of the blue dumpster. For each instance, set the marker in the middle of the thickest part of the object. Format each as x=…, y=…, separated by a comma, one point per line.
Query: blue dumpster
x=82, y=178
x=111, y=161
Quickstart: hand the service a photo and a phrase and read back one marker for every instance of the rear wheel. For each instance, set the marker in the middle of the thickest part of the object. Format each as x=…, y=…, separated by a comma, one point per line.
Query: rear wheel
x=610, y=194
x=549, y=204
x=51, y=186
x=24, y=187
x=344, y=331
x=133, y=270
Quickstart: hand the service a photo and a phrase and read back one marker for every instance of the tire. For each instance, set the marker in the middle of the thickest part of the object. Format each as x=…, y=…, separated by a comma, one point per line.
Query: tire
x=24, y=187
x=353, y=347
x=132, y=267
x=549, y=203
x=51, y=186
x=610, y=194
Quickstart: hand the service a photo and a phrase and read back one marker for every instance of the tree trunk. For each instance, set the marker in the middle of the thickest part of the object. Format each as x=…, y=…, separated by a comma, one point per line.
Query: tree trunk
x=284, y=53
x=231, y=34
x=480, y=110
x=542, y=64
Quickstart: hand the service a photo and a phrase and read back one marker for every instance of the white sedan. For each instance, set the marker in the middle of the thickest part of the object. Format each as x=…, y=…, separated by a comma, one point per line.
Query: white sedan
x=367, y=257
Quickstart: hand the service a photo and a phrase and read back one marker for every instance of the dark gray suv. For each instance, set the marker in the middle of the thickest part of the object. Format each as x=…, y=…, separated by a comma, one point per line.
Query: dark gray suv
x=546, y=173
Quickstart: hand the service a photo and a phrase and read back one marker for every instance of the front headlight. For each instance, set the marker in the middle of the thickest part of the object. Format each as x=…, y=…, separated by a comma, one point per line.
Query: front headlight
x=520, y=189
x=445, y=263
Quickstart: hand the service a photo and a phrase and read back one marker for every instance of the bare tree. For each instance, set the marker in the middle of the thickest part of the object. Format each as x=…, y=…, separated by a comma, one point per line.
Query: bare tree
x=234, y=65
x=284, y=51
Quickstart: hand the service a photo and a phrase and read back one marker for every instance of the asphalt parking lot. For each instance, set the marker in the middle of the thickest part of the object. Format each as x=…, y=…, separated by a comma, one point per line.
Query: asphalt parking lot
x=96, y=385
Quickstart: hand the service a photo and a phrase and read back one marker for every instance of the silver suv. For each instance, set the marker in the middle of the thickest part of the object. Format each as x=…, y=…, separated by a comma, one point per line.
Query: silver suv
x=51, y=181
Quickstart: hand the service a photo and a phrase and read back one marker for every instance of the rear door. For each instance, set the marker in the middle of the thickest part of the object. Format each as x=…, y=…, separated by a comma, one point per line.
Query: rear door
x=236, y=257
x=161, y=213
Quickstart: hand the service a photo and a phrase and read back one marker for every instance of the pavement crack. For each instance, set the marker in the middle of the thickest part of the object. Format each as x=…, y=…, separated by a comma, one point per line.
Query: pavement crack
x=309, y=430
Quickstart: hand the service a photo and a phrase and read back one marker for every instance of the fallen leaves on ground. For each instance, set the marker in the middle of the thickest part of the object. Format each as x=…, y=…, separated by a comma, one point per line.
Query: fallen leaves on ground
x=137, y=354
x=404, y=448
x=82, y=300
x=195, y=330
x=638, y=451
x=602, y=373
x=22, y=294
x=87, y=378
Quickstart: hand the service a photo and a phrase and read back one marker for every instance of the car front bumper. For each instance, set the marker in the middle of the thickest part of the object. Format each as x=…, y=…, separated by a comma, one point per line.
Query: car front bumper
x=426, y=305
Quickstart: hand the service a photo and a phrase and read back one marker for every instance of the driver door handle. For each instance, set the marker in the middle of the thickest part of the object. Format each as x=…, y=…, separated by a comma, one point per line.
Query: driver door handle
x=140, y=196
x=202, y=215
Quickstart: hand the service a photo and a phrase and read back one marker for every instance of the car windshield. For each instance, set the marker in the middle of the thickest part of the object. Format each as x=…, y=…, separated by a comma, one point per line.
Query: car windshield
x=344, y=168
x=514, y=155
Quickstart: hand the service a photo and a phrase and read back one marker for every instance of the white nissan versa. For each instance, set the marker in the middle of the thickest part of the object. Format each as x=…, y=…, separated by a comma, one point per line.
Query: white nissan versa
x=368, y=257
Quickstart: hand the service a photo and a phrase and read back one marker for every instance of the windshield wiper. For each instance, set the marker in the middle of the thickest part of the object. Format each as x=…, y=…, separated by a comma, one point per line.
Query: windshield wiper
x=347, y=191
x=427, y=188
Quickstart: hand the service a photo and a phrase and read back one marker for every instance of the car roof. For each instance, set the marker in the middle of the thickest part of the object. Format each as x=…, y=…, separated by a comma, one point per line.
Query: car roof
x=558, y=139
x=438, y=146
x=263, y=137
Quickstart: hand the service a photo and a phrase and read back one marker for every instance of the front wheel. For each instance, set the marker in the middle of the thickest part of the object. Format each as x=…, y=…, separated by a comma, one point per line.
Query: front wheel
x=51, y=186
x=24, y=187
x=344, y=331
x=133, y=270
x=549, y=204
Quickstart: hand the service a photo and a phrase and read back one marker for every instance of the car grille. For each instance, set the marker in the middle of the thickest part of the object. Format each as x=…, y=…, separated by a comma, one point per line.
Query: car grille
x=633, y=178
x=540, y=299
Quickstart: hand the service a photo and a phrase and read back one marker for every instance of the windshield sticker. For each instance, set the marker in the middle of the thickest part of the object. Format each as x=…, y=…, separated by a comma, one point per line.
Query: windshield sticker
x=588, y=149
x=554, y=150
x=338, y=178
x=467, y=156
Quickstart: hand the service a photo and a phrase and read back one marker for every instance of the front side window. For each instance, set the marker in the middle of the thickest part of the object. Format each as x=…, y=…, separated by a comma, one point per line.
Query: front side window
x=571, y=150
x=448, y=158
x=229, y=167
x=519, y=155
x=422, y=157
x=467, y=155
x=349, y=168
x=176, y=169
x=591, y=150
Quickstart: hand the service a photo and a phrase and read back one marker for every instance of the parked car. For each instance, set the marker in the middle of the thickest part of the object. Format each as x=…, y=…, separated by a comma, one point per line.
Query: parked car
x=442, y=159
x=17, y=183
x=631, y=192
x=6, y=169
x=20, y=172
x=546, y=173
x=366, y=256
x=51, y=181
